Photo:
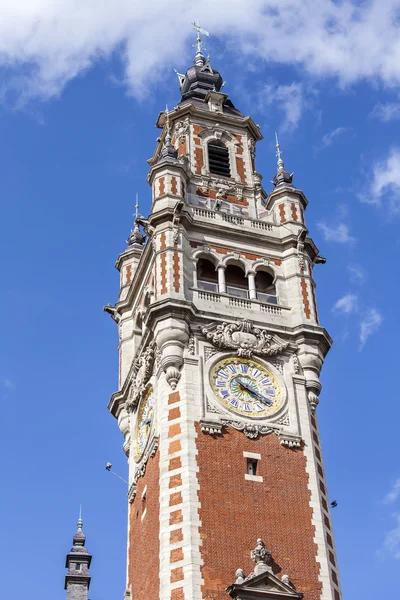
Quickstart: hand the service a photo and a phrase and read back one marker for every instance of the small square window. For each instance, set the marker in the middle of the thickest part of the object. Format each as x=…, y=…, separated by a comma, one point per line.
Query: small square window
x=252, y=466
x=78, y=567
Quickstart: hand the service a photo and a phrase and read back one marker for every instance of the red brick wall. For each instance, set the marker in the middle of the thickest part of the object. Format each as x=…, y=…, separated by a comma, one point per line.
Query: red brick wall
x=143, y=535
x=128, y=274
x=177, y=276
x=227, y=198
x=306, y=302
x=293, y=210
x=235, y=512
x=241, y=169
x=198, y=151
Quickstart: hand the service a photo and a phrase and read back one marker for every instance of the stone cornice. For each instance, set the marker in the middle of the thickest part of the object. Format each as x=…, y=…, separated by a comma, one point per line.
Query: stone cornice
x=127, y=254
x=186, y=310
x=286, y=192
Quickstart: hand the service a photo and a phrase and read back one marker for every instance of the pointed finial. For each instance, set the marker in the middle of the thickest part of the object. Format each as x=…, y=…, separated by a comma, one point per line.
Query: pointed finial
x=199, y=59
x=278, y=153
x=137, y=208
x=135, y=236
x=282, y=176
x=80, y=522
x=167, y=122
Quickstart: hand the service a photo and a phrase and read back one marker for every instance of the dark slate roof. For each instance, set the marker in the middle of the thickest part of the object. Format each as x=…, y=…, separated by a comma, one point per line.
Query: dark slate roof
x=198, y=81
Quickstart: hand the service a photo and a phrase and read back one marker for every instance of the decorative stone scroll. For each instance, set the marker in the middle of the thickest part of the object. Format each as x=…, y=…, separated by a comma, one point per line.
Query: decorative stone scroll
x=244, y=338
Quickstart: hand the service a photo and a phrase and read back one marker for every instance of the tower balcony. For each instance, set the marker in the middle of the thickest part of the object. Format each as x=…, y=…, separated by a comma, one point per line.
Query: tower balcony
x=207, y=298
x=220, y=217
x=237, y=292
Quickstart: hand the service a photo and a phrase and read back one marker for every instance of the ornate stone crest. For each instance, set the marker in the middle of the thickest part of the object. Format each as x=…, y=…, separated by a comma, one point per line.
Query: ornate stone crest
x=244, y=338
x=262, y=557
x=181, y=130
x=262, y=583
x=143, y=369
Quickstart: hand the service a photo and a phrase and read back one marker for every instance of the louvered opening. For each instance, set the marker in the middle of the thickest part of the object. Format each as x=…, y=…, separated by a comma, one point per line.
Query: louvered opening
x=218, y=159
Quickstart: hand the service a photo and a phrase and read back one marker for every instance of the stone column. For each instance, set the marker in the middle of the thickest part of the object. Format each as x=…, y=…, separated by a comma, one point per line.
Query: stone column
x=251, y=276
x=221, y=280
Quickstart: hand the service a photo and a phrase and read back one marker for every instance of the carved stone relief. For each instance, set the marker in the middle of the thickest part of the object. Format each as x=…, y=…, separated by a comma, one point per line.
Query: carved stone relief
x=143, y=369
x=191, y=345
x=244, y=338
x=209, y=352
x=181, y=130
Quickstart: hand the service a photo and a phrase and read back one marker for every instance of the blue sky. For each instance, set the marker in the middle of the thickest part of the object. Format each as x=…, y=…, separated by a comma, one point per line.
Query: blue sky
x=81, y=87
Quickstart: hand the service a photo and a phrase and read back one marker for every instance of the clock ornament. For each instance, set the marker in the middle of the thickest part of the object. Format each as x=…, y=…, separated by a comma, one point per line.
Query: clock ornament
x=246, y=387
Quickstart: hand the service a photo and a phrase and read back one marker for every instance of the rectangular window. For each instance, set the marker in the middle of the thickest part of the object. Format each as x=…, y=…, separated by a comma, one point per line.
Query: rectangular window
x=78, y=566
x=252, y=466
x=218, y=159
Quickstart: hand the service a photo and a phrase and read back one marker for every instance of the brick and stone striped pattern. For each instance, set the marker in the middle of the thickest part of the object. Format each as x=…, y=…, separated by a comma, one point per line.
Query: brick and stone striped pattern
x=319, y=501
x=179, y=504
x=325, y=507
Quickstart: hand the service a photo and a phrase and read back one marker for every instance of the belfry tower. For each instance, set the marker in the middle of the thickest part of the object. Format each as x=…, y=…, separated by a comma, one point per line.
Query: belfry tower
x=77, y=579
x=220, y=353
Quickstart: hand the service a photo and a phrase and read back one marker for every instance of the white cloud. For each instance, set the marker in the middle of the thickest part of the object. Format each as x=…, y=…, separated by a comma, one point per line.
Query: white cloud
x=385, y=181
x=339, y=234
x=7, y=383
x=357, y=274
x=346, y=305
x=329, y=137
x=52, y=42
x=369, y=324
x=386, y=112
x=391, y=544
x=394, y=493
x=287, y=98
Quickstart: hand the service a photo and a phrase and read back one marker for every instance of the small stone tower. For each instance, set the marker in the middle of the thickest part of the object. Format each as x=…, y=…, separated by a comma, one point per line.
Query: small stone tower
x=77, y=580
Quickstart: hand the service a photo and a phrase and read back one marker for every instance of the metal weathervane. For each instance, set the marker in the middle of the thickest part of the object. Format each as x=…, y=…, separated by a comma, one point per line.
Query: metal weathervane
x=199, y=58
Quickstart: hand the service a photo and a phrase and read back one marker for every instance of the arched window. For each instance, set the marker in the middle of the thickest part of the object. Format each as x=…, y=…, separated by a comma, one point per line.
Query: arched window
x=207, y=277
x=236, y=282
x=218, y=159
x=265, y=288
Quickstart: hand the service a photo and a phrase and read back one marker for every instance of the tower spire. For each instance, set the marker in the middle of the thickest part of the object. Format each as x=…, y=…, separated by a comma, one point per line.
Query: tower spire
x=278, y=153
x=77, y=579
x=282, y=176
x=80, y=523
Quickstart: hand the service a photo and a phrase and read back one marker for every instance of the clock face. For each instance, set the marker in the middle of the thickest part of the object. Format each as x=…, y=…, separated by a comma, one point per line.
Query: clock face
x=246, y=387
x=145, y=418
